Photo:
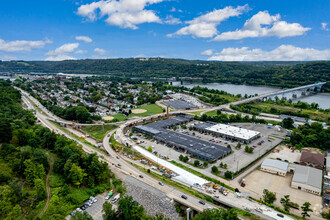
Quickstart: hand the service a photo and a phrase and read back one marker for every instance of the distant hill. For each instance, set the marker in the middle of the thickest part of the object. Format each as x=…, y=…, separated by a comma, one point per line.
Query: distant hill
x=272, y=73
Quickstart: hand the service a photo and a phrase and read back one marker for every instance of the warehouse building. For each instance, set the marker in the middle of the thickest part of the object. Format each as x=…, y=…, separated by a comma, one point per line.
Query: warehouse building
x=274, y=166
x=190, y=145
x=227, y=131
x=180, y=104
x=308, y=179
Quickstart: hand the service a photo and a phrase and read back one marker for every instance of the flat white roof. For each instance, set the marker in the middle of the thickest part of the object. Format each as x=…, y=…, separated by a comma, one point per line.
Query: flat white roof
x=236, y=132
x=275, y=165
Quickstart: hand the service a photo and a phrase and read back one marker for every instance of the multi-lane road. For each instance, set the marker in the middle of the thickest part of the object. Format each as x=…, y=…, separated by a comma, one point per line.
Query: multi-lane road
x=128, y=169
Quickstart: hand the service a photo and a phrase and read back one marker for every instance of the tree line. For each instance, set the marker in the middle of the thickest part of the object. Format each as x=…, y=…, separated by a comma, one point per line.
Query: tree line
x=255, y=73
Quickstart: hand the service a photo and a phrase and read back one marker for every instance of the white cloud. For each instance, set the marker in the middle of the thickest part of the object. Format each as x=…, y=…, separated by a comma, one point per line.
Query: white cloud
x=173, y=9
x=324, y=26
x=81, y=51
x=263, y=24
x=22, y=45
x=206, y=25
x=172, y=20
x=281, y=53
x=60, y=58
x=61, y=53
x=99, y=51
x=140, y=56
x=207, y=52
x=122, y=13
x=84, y=38
x=7, y=57
x=65, y=48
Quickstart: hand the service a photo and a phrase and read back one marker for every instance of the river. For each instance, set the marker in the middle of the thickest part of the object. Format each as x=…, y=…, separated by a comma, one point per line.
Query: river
x=323, y=99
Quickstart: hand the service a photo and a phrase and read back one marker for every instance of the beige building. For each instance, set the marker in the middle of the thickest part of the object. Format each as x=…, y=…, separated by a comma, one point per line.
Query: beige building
x=308, y=179
x=274, y=166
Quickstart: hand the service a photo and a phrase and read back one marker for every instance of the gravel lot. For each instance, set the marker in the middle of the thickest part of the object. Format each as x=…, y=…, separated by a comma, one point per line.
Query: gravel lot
x=152, y=199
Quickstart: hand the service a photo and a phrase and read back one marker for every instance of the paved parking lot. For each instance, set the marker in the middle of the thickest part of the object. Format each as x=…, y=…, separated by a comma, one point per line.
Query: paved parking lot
x=236, y=160
x=257, y=181
x=96, y=209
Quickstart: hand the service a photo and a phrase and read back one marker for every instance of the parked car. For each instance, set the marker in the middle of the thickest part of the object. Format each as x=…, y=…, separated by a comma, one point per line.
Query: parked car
x=201, y=202
x=161, y=183
x=280, y=215
x=140, y=176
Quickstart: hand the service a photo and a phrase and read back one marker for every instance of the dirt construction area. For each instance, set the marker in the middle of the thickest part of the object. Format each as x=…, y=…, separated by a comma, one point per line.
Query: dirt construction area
x=138, y=111
x=257, y=181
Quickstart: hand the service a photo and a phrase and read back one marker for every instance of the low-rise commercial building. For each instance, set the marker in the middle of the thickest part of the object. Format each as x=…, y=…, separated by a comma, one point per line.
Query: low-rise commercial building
x=227, y=131
x=274, y=166
x=198, y=148
x=308, y=179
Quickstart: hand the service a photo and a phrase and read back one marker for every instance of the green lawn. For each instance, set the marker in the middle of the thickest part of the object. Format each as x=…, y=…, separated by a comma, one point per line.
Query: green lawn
x=197, y=112
x=119, y=116
x=151, y=109
x=211, y=113
x=97, y=131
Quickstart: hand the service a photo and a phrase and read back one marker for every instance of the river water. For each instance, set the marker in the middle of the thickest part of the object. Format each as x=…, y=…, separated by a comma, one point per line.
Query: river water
x=323, y=99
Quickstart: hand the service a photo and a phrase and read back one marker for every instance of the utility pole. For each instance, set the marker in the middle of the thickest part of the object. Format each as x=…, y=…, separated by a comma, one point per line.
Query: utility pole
x=188, y=213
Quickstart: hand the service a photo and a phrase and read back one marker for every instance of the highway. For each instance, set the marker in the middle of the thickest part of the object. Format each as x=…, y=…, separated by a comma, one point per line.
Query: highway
x=128, y=169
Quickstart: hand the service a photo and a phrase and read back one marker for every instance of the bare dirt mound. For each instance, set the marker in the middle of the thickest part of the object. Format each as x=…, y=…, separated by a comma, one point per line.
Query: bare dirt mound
x=138, y=111
x=108, y=118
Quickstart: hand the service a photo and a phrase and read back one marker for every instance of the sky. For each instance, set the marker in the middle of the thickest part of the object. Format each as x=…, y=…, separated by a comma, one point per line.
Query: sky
x=223, y=30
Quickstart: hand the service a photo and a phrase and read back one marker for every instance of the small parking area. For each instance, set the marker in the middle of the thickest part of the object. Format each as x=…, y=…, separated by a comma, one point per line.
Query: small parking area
x=96, y=209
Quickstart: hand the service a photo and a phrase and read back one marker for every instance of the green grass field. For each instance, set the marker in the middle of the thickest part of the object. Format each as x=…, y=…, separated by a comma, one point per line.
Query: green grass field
x=211, y=113
x=119, y=116
x=197, y=112
x=153, y=108
x=314, y=114
x=97, y=131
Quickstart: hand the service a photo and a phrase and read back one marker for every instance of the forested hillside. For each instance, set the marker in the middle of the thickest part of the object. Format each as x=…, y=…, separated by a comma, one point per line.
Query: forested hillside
x=283, y=74
x=29, y=153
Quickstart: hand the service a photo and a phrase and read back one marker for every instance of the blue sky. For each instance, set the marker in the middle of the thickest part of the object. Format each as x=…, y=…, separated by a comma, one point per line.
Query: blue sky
x=209, y=30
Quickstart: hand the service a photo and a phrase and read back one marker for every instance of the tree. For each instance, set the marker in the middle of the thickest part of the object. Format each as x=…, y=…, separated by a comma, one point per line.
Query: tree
x=81, y=216
x=225, y=166
x=181, y=157
x=285, y=201
x=228, y=174
x=216, y=214
x=109, y=213
x=205, y=163
x=221, y=165
x=128, y=209
x=16, y=213
x=39, y=186
x=305, y=209
x=228, y=146
x=196, y=163
x=40, y=171
x=287, y=123
x=30, y=171
x=150, y=149
x=269, y=197
x=185, y=159
x=239, y=145
x=215, y=169
x=76, y=174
